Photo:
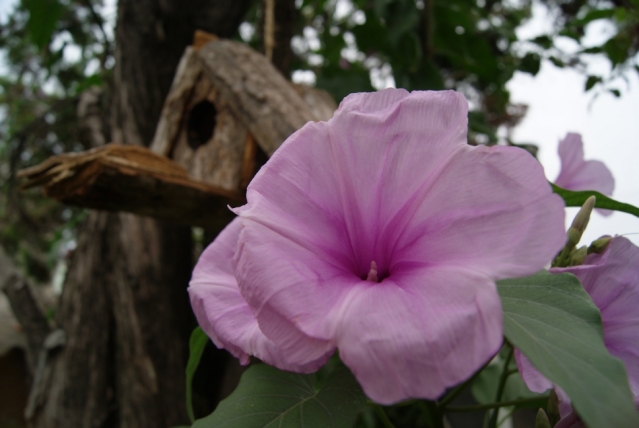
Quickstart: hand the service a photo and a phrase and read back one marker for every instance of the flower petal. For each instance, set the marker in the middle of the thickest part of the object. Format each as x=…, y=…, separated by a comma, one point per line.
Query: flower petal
x=571, y=420
x=409, y=336
x=227, y=319
x=279, y=274
x=579, y=174
x=534, y=380
x=491, y=209
x=355, y=173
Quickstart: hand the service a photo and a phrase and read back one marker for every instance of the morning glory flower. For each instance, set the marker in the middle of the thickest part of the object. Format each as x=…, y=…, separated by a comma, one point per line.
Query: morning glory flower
x=227, y=319
x=381, y=233
x=579, y=174
x=612, y=281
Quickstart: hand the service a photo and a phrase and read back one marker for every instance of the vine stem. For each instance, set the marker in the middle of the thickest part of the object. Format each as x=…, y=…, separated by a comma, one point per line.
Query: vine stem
x=502, y=385
x=433, y=413
x=459, y=389
x=383, y=416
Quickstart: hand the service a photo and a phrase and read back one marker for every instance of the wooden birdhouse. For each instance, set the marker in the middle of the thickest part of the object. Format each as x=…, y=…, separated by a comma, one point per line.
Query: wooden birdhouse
x=227, y=111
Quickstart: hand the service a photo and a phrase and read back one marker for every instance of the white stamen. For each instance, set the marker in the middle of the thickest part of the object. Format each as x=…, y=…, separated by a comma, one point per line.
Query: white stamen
x=372, y=274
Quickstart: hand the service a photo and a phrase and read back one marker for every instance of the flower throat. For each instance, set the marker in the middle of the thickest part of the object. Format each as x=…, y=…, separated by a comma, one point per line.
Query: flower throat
x=374, y=275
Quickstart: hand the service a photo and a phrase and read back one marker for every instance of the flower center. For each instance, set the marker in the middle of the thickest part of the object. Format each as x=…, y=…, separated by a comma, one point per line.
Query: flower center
x=374, y=274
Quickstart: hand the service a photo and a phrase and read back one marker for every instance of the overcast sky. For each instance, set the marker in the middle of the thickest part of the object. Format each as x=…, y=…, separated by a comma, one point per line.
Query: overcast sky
x=609, y=126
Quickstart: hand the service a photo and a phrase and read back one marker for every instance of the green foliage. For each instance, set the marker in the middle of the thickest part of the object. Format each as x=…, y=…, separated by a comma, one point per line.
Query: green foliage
x=530, y=63
x=486, y=384
x=197, y=343
x=553, y=321
x=267, y=397
x=43, y=19
x=591, y=82
x=615, y=92
x=467, y=45
x=572, y=20
x=419, y=45
x=50, y=51
x=577, y=199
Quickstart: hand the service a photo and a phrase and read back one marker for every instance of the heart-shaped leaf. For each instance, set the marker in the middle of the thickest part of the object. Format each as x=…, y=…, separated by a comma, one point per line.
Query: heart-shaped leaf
x=268, y=397
x=554, y=322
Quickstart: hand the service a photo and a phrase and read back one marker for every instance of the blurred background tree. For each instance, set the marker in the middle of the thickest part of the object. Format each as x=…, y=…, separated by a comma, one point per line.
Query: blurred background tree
x=63, y=64
x=51, y=52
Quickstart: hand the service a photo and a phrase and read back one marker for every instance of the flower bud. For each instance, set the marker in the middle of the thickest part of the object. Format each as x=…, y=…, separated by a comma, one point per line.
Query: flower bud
x=578, y=256
x=599, y=246
x=574, y=233
x=553, y=408
x=542, y=421
x=581, y=220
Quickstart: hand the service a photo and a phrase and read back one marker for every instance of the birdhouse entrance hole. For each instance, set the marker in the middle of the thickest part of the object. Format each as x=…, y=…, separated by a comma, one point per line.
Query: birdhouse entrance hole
x=201, y=124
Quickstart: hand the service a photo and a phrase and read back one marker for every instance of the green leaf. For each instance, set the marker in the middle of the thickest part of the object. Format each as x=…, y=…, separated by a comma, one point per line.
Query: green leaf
x=594, y=15
x=197, y=343
x=591, y=82
x=345, y=82
x=570, y=32
x=553, y=321
x=618, y=48
x=557, y=62
x=615, y=92
x=592, y=50
x=267, y=397
x=43, y=19
x=530, y=63
x=577, y=199
x=477, y=123
x=543, y=41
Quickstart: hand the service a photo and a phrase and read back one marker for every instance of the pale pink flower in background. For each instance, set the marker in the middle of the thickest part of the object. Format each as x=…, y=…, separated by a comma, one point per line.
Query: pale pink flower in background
x=381, y=233
x=579, y=174
x=612, y=280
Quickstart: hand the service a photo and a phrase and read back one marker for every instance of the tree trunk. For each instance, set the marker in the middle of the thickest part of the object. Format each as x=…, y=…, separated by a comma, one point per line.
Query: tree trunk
x=124, y=307
x=285, y=16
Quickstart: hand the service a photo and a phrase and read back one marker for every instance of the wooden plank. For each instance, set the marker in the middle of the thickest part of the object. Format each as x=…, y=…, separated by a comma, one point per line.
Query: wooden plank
x=132, y=179
x=176, y=103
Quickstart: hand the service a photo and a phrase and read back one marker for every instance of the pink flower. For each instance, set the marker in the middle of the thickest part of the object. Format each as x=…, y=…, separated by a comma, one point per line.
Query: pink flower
x=227, y=319
x=579, y=174
x=612, y=280
x=381, y=233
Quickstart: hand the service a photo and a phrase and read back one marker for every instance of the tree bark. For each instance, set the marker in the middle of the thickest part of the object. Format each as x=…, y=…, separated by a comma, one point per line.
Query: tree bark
x=124, y=307
x=24, y=306
x=151, y=36
x=285, y=19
